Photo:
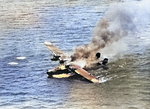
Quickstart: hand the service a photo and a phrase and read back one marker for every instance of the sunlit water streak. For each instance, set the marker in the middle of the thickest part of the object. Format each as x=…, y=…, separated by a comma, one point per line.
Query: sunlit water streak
x=25, y=85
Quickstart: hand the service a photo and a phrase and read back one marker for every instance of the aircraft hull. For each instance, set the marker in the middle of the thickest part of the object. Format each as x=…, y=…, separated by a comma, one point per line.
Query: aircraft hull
x=71, y=72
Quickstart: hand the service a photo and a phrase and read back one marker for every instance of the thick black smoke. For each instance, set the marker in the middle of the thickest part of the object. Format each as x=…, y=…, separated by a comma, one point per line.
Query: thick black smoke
x=120, y=20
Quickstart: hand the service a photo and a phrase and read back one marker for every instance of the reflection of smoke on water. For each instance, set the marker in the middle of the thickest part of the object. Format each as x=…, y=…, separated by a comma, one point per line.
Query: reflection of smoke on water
x=121, y=20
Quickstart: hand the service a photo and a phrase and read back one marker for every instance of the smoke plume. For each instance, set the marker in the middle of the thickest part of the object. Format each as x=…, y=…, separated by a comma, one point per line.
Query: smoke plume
x=120, y=20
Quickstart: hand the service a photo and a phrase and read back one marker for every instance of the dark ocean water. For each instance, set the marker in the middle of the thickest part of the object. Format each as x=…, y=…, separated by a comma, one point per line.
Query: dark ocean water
x=68, y=24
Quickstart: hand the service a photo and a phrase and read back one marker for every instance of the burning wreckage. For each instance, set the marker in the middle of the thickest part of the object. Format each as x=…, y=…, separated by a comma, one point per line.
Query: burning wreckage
x=76, y=65
x=86, y=56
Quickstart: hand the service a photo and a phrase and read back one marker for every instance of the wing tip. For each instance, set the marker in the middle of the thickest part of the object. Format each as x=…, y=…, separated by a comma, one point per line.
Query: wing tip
x=94, y=80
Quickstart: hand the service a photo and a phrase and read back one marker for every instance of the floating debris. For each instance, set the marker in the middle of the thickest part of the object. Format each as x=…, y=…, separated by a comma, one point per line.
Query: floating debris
x=21, y=58
x=13, y=63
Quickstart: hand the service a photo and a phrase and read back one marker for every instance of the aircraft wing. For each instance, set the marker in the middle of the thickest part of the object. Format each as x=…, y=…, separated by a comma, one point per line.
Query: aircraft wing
x=85, y=74
x=55, y=50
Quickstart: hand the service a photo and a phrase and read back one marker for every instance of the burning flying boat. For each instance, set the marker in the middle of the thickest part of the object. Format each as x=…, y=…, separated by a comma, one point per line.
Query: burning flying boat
x=73, y=67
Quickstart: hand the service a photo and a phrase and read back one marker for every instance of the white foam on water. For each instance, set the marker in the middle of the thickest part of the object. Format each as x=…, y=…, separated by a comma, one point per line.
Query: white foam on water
x=104, y=79
x=13, y=63
x=143, y=37
x=21, y=58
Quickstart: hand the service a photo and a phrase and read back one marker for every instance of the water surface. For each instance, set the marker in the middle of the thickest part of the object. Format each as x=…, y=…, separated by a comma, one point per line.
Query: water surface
x=67, y=24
